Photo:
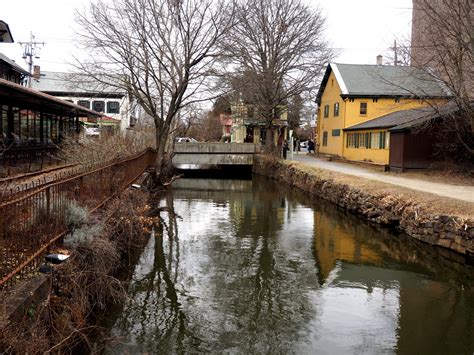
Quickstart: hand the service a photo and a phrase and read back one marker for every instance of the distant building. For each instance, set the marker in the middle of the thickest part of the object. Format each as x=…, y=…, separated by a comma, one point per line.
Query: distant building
x=359, y=105
x=84, y=91
x=226, y=123
x=248, y=126
x=11, y=71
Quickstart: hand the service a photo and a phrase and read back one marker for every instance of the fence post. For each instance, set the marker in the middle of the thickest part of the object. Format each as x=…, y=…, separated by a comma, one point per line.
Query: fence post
x=48, y=203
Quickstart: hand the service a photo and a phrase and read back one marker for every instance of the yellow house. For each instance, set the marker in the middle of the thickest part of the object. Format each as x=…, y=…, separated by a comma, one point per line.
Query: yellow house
x=249, y=127
x=352, y=94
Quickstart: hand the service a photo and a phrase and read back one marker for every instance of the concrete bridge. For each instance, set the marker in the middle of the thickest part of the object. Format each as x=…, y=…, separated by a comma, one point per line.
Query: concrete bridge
x=214, y=153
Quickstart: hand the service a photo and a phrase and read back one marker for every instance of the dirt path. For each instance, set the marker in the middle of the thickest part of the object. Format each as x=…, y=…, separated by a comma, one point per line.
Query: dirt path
x=464, y=193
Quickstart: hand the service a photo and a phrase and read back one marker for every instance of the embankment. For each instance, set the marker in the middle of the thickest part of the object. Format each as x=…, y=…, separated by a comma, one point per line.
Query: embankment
x=435, y=220
x=63, y=317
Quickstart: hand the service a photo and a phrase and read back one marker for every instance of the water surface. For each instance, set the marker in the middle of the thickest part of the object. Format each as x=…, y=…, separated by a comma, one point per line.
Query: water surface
x=256, y=267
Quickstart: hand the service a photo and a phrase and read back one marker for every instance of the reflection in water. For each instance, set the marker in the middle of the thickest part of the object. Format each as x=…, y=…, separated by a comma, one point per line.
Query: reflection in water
x=251, y=267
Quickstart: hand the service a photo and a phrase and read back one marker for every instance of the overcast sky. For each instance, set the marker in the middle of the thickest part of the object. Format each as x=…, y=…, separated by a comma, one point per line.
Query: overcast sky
x=359, y=29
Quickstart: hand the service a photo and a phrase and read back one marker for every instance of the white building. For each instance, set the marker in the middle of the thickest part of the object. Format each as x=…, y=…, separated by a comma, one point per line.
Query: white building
x=84, y=91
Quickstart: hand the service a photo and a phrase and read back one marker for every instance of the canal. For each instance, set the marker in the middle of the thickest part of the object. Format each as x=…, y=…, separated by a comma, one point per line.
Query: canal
x=251, y=266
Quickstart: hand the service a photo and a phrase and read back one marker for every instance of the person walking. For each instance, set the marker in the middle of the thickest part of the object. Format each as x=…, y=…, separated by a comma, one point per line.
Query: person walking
x=285, y=149
x=311, y=146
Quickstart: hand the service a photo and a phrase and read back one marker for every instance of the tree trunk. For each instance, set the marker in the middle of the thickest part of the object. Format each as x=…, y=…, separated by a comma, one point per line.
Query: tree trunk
x=270, y=147
x=163, y=170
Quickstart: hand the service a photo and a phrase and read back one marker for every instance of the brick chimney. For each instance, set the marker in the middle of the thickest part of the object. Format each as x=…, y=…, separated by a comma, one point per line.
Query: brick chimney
x=379, y=60
x=36, y=72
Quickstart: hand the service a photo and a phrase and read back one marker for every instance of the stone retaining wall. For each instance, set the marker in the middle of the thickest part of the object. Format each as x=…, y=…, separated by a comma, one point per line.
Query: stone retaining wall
x=405, y=214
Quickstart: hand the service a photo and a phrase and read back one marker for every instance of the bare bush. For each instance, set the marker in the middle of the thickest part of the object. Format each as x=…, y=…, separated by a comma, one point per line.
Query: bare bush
x=82, y=287
x=107, y=147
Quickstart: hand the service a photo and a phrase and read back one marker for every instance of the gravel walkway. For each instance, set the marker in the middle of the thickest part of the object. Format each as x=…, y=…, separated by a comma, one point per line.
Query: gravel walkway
x=464, y=193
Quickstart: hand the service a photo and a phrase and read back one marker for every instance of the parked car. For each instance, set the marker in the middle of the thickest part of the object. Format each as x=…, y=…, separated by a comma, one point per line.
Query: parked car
x=185, y=140
x=304, y=145
x=93, y=130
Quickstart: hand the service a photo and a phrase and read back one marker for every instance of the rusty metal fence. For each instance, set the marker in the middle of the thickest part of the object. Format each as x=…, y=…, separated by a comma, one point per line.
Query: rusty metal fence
x=26, y=159
x=33, y=219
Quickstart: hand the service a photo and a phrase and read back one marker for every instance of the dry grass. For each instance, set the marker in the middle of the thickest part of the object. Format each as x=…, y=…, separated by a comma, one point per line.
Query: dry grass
x=85, y=284
x=107, y=147
x=445, y=176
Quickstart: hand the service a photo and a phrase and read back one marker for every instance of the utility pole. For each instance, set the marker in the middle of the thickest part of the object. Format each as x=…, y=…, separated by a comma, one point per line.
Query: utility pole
x=395, y=53
x=31, y=49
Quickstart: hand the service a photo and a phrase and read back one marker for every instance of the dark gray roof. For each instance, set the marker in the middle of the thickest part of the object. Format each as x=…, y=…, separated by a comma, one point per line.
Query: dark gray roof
x=33, y=99
x=357, y=80
x=389, y=80
x=11, y=63
x=406, y=119
x=56, y=82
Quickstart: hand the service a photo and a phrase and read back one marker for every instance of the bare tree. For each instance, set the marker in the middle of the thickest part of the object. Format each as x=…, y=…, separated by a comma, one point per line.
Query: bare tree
x=295, y=106
x=443, y=44
x=206, y=128
x=276, y=51
x=160, y=51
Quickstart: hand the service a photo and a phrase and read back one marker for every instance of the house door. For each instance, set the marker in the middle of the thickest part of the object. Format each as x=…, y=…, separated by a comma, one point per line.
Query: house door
x=249, y=135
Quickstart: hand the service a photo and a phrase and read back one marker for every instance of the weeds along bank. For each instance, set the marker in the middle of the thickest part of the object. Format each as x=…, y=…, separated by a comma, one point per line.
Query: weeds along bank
x=107, y=147
x=436, y=220
x=100, y=246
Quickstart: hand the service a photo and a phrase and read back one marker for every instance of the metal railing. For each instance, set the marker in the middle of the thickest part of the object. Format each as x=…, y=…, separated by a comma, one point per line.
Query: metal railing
x=33, y=219
x=17, y=160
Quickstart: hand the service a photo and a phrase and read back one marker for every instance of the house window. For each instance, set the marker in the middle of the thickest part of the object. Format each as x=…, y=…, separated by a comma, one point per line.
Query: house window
x=336, y=132
x=368, y=140
x=278, y=112
x=325, y=139
x=98, y=106
x=326, y=111
x=364, y=140
x=336, y=109
x=363, y=108
x=84, y=103
x=375, y=140
x=380, y=144
x=113, y=107
x=250, y=112
x=352, y=140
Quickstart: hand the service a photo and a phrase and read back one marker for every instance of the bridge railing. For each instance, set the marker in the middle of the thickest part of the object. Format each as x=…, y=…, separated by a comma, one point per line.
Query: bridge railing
x=216, y=148
x=34, y=219
x=212, y=153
